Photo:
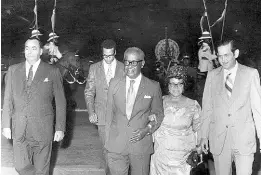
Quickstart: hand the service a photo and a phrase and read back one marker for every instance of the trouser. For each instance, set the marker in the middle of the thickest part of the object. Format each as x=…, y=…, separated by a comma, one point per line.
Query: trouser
x=223, y=162
x=101, y=131
x=32, y=157
x=121, y=164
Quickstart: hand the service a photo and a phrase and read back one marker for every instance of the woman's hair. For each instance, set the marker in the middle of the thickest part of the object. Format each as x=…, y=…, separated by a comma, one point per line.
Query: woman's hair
x=178, y=72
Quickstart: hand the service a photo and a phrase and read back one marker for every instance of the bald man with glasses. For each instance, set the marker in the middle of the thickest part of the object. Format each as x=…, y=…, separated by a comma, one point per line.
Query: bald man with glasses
x=133, y=101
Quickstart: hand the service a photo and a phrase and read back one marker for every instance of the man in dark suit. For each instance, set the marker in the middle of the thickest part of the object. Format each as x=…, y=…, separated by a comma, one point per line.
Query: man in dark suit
x=97, y=85
x=28, y=110
x=134, y=111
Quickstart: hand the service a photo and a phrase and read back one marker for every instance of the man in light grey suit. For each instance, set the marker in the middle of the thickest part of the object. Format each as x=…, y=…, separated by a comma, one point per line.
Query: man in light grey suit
x=133, y=101
x=231, y=112
x=30, y=89
x=97, y=85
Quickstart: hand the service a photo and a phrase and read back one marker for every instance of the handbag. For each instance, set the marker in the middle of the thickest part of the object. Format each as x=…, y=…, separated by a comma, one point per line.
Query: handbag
x=194, y=159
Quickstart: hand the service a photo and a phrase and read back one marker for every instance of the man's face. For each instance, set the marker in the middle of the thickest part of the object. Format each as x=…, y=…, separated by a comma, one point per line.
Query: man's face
x=32, y=50
x=226, y=57
x=108, y=55
x=133, y=65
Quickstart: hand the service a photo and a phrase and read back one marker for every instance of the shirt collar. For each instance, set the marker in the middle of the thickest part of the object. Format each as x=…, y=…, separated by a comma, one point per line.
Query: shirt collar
x=35, y=65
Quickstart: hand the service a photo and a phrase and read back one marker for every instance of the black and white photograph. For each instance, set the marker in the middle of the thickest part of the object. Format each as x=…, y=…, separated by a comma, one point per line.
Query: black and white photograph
x=130, y=87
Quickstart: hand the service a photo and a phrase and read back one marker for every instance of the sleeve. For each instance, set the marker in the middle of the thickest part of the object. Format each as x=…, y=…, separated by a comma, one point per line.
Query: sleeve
x=255, y=97
x=109, y=109
x=60, y=101
x=196, y=120
x=90, y=90
x=157, y=107
x=8, y=100
x=207, y=108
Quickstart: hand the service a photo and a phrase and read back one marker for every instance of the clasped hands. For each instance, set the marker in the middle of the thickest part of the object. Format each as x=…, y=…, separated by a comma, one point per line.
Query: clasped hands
x=142, y=132
x=139, y=134
x=58, y=136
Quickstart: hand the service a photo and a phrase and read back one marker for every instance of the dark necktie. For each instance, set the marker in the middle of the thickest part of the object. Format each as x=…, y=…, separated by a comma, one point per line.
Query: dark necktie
x=229, y=85
x=30, y=77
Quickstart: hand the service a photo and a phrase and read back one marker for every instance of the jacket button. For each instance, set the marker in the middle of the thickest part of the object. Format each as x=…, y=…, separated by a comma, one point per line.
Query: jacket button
x=226, y=126
x=229, y=115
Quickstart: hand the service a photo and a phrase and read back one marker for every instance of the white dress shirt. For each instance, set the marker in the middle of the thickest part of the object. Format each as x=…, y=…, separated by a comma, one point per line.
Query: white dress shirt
x=106, y=67
x=35, y=66
x=135, y=85
x=233, y=72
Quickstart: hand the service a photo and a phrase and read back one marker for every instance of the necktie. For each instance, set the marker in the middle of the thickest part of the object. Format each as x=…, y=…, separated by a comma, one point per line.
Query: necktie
x=229, y=85
x=130, y=99
x=109, y=74
x=30, y=77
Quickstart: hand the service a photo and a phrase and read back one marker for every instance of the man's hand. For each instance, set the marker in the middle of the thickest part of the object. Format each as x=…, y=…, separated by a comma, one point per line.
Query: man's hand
x=139, y=134
x=58, y=136
x=204, y=145
x=7, y=133
x=93, y=118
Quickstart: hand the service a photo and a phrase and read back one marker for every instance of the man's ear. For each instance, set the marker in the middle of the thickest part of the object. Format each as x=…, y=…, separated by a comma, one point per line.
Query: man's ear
x=236, y=53
x=142, y=64
x=41, y=51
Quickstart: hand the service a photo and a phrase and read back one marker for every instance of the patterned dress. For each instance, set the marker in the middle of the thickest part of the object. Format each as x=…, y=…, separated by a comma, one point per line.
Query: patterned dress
x=175, y=138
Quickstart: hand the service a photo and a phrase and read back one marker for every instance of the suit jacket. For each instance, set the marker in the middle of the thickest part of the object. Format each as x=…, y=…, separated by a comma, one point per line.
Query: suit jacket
x=118, y=129
x=240, y=113
x=97, y=88
x=33, y=111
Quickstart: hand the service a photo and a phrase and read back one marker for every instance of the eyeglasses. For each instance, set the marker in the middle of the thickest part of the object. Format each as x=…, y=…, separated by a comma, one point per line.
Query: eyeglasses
x=176, y=85
x=225, y=55
x=133, y=63
x=107, y=56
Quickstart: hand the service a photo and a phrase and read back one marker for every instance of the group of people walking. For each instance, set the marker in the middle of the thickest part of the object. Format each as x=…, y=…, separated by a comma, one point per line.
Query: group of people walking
x=142, y=132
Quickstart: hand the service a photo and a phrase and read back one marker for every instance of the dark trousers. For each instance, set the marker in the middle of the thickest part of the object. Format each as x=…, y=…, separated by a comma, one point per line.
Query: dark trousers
x=129, y=164
x=32, y=157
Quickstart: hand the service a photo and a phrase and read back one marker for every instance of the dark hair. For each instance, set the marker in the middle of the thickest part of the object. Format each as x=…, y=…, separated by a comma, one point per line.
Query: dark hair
x=35, y=38
x=108, y=44
x=227, y=41
x=178, y=72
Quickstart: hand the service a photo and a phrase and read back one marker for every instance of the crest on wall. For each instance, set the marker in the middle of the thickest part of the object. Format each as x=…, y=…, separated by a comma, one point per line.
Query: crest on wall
x=169, y=49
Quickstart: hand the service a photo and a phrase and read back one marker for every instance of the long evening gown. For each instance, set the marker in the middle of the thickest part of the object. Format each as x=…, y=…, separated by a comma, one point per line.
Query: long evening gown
x=175, y=138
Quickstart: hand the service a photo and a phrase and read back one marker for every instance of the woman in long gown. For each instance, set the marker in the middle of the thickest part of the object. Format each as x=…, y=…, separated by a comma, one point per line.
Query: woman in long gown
x=176, y=137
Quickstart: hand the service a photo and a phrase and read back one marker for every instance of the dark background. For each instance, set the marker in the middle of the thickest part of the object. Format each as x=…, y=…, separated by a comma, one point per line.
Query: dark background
x=84, y=24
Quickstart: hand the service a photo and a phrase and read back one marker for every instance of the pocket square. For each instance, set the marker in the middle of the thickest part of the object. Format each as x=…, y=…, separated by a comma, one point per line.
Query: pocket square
x=147, y=96
x=46, y=80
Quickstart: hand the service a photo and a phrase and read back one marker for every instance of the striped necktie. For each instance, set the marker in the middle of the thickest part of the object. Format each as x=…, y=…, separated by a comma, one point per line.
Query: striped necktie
x=229, y=85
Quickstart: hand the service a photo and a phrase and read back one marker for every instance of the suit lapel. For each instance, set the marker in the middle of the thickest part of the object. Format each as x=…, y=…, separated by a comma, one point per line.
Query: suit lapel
x=39, y=75
x=237, y=84
x=102, y=73
x=121, y=91
x=117, y=70
x=21, y=80
x=141, y=91
x=221, y=86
